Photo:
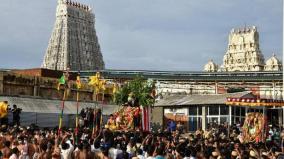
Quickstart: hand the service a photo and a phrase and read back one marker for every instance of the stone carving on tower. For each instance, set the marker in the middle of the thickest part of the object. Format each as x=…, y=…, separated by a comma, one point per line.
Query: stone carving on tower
x=273, y=64
x=243, y=52
x=73, y=43
x=211, y=67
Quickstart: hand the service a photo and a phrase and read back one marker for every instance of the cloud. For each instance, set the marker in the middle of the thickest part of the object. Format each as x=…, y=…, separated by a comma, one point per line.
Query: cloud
x=153, y=35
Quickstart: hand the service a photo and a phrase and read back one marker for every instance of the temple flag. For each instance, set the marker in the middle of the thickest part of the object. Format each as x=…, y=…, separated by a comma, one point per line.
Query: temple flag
x=78, y=83
x=61, y=81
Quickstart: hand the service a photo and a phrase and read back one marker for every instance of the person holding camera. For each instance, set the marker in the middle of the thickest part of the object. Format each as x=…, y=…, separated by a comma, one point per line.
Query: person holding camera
x=16, y=115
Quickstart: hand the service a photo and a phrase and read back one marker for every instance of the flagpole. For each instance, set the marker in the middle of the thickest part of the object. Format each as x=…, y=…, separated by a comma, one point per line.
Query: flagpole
x=62, y=111
x=77, y=118
x=64, y=78
x=101, y=119
x=97, y=86
x=95, y=116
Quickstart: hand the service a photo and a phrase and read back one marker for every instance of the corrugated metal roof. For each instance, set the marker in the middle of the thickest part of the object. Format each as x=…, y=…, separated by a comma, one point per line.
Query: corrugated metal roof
x=196, y=99
x=37, y=105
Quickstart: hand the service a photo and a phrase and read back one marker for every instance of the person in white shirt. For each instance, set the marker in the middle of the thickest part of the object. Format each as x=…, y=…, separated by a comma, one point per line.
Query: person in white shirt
x=131, y=147
x=96, y=148
x=114, y=152
x=66, y=148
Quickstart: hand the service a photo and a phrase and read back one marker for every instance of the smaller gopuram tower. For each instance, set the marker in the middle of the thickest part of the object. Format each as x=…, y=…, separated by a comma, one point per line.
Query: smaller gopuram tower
x=210, y=66
x=243, y=52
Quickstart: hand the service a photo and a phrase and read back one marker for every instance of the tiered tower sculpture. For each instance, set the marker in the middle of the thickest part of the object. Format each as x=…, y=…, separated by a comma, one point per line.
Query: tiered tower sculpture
x=73, y=43
x=243, y=52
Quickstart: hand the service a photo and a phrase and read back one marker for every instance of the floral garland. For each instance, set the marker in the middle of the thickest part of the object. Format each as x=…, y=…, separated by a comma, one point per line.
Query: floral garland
x=254, y=128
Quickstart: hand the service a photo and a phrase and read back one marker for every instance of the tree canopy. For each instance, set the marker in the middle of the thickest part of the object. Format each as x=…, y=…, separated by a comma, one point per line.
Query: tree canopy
x=137, y=92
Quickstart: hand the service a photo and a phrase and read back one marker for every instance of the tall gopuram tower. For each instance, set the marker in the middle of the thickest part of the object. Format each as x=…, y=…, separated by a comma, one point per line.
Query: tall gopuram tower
x=73, y=43
x=243, y=52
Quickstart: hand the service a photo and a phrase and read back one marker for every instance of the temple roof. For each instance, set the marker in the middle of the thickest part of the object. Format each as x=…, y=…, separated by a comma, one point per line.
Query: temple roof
x=273, y=61
x=45, y=106
x=198, y=99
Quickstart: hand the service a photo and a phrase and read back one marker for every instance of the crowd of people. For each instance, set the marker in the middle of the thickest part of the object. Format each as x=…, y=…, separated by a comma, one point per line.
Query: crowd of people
x=213, y=143
x=90, y=117
x=216, y=142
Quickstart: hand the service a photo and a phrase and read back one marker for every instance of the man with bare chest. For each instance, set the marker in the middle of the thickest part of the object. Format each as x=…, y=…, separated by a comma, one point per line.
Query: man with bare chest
x=6, y=150
x=84, y=152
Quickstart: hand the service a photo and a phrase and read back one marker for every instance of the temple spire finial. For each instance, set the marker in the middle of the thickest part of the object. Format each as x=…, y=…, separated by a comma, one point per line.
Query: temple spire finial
x=60, y=1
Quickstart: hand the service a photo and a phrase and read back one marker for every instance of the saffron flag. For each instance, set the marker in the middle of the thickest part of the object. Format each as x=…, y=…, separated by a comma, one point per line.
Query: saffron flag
x=97, y=83
x=115, y=88
x=61, y=81
x=78, y=83
x=114, y=91
x=102, y=85
x=94, y=80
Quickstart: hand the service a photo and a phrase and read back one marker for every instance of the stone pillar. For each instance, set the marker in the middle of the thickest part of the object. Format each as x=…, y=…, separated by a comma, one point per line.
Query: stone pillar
x=204, y=117
x=36, y=86
x=273, y=90
x=230, y=115
x=216, y=87
x=280, y=117
x=264, y=110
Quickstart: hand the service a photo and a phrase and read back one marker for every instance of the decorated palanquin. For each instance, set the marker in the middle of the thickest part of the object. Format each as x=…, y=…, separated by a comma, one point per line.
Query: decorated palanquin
x=123, y=118
x=254, y=128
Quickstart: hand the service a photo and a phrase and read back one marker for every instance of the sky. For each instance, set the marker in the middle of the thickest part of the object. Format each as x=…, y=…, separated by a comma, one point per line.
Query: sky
x=174, y=35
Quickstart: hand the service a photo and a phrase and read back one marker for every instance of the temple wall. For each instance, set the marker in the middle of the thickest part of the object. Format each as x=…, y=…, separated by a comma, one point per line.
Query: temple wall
x=262, y=89
x=45, y=87
x=23, y=85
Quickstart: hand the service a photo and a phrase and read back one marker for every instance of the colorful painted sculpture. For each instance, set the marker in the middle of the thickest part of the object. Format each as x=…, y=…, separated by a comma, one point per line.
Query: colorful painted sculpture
x=254, y=128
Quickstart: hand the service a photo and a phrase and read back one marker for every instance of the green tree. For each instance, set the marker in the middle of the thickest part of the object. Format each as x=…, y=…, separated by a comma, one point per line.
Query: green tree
x=137, y=91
